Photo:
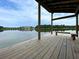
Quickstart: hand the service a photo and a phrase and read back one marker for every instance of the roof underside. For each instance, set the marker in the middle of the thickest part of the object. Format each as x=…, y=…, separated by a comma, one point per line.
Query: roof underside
x=60, y=6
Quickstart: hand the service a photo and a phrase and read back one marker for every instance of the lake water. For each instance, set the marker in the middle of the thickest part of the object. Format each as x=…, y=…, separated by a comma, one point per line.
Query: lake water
x=9, y=38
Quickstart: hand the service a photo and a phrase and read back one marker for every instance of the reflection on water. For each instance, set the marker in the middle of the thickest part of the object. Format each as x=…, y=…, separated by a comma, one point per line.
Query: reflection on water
x=1, y=30
x=12, y=37
x=9, y=38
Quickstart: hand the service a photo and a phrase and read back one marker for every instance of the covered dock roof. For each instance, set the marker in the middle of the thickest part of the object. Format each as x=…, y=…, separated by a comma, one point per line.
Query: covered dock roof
x=60, y=6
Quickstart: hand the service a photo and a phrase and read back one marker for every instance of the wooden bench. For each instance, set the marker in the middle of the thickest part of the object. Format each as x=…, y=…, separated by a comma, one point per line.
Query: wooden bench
x=63, y=32
x=74, y=36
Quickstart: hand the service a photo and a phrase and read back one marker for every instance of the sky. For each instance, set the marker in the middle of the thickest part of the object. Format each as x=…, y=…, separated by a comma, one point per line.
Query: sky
x=15, y=13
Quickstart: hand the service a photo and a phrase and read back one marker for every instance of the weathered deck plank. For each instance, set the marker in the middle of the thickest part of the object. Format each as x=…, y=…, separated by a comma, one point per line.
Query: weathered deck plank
x=40, y=46
x=49, y=47
x=56, y=51
x=75, y=47
x=45, y=51
x=62, y=53
x=52, y=49
x=69, y=54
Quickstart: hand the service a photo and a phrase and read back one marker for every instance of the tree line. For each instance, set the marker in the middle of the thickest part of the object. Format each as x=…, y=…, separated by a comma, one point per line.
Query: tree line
x=54, y=27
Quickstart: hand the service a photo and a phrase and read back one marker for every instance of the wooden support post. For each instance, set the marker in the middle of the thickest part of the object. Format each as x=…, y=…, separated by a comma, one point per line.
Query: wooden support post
x=51, y=22
x=76, y=13
x=39, y=14
x=77, y=24
x=51, y=18
x=39, y=20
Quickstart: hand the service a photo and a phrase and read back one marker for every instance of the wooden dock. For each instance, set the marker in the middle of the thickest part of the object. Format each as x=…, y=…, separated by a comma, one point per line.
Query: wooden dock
x=49, y=47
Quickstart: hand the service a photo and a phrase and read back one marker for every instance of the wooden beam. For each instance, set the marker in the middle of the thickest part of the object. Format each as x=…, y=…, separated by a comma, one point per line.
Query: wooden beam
x=77, y=11
x=64, y=2
x=64, y=17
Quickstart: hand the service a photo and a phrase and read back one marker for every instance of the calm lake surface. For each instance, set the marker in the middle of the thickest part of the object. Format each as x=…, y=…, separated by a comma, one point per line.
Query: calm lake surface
x=9, y=38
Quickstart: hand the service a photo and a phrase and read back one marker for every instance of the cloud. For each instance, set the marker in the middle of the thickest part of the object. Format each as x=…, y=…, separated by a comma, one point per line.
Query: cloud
x=23, y=13
x=6, y=4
